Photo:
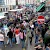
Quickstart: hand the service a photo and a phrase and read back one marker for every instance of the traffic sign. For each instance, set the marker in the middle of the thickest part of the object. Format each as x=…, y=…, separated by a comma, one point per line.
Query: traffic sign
x=41, y=19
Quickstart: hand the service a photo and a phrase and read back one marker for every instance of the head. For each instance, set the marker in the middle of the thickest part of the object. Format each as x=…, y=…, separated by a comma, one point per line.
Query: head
x=41, y=40
x=21, y=31
x=16, y=27
x=24, y=21
x=49, y=45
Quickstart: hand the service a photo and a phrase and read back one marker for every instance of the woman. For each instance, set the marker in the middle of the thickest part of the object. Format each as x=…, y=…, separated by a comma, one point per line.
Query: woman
x=22, y=37
x=17, y=30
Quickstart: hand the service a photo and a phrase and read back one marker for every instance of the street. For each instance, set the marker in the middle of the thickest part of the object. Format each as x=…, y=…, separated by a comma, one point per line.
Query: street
x=24, y=25
x=19, y=47
x=15, y=47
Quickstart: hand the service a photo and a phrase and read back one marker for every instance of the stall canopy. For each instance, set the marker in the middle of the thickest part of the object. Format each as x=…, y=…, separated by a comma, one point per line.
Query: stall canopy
x=2, y=15
x=15, y=10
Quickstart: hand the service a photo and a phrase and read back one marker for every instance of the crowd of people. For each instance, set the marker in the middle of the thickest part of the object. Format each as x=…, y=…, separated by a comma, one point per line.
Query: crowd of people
x=18, y=31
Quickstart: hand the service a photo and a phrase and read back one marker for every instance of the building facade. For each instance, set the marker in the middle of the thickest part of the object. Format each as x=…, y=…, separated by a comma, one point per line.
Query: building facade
x=24, y=2
x=48, y=5
x=29, y=1
x=6, y=5
x=1, y=2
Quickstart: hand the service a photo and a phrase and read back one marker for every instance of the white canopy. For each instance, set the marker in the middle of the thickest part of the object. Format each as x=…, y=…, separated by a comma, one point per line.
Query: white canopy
x=13, y=10
x=2, y=17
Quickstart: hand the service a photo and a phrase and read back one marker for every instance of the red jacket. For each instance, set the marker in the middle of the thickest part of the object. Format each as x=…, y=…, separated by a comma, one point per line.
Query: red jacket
x=17, y=31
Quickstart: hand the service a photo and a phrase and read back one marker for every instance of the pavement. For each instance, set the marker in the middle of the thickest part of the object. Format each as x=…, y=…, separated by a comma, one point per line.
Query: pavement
x=31, y=47
x=15, y=47
x=19, y=47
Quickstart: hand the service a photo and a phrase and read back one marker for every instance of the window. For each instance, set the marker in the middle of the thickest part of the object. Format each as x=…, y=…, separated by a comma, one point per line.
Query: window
x=0, y=9
x=0, y=2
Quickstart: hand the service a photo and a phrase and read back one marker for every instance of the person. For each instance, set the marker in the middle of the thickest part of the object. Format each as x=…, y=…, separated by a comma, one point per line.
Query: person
x=6, y=29
x=17, y=30
x=40, y=45
x=23, y=38
x=32, y=28
x=37, y=35
x=29, y=35
x=24, y=23
x=10, y=36
x=43, y=32
x=1, y=40
x=48, y=47
x=24, y=30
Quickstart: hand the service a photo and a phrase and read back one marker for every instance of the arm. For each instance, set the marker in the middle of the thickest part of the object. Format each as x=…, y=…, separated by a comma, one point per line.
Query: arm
x=43, y=47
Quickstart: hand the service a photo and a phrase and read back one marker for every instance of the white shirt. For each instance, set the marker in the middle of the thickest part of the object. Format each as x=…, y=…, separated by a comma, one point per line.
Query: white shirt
x=1, y=37
x=32, y=26
x=24, y=23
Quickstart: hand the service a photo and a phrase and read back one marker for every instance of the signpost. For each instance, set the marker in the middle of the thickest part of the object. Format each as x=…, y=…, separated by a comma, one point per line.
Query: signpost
x=40, y=19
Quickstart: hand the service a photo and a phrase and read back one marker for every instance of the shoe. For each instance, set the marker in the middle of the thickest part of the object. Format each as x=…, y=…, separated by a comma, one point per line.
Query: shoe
x=5, y=45
x=16, y=43
x=23, y=48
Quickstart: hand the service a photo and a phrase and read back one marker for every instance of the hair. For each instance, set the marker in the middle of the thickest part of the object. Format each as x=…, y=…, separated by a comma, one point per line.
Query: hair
x=49, y=45
x=40, y=39
x=17, y=27
x=21, y=30
x=38, y=30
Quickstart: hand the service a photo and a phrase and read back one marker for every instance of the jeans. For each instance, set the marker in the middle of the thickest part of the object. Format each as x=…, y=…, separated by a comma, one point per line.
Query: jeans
x=10, y=41
x=23, y=43
x=30, y=38
x=1, y=45
x=36, y=38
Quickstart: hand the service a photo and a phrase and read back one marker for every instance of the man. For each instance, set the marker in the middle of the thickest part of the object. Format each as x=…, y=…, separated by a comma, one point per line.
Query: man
x=32, y=28
x=40, y=45
x=10, y=36
x=29, y=35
